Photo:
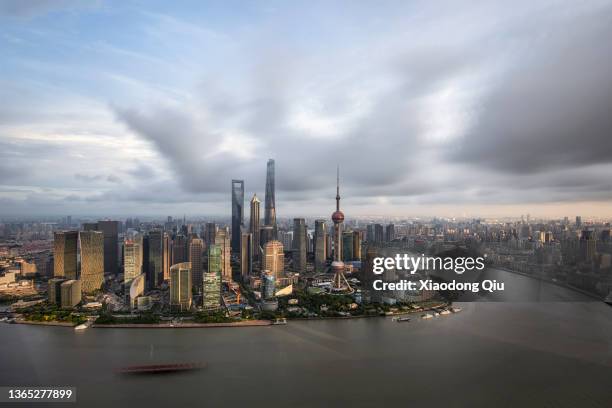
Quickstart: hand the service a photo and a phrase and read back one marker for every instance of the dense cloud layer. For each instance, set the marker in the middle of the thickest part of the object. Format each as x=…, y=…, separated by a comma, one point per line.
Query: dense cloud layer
x=422, y=105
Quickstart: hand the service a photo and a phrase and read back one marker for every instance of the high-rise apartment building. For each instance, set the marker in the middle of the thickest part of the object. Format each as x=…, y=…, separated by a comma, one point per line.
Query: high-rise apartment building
x=237, y=214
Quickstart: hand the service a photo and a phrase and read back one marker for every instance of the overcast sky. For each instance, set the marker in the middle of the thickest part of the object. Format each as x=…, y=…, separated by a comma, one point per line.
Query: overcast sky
x=430, y=108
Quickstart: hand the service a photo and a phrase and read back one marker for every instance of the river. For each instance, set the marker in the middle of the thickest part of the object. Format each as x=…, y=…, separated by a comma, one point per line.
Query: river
x=553, y=353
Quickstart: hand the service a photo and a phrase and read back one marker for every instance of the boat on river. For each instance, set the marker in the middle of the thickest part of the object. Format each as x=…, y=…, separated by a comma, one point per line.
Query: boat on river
x=161, y=368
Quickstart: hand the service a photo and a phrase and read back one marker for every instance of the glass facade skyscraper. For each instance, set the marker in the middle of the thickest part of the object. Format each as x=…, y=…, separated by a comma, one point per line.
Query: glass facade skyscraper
x=237, y=214
x=270, y=200
x=320, y=247
x=211, y=293
x=156, y=258
x=65, y=254
x=180, y=286
x=92, y=260
x=299, y=244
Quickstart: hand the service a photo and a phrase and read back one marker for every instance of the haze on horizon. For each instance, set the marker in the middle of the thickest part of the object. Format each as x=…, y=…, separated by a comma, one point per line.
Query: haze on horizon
x=467, y=108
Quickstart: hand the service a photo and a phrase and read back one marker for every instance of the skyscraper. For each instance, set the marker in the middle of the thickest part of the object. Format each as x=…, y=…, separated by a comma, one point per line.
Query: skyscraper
x=356, y=246
x=110, y=229
x=320, y=248
x=347, y=245
x=180, y=249
x=92, y=260
x=268, y=285
x=237, y=214
x=211, y=233
x=132, y=257
x=222, y=241
x=212, y=279
x=390, y=233
x=299, y=245
x=274, y=259
x=70, y=293
x=270, y=200
x=379, y=235
x=156, y=258
x=246, y=255
x=180, y=286
x=65, y=254
x=339, y=283
x=195, y=258
x=167, y=256
x=254, y=225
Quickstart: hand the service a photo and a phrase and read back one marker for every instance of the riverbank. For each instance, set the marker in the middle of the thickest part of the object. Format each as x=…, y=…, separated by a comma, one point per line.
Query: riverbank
x=35, y=323
x=245, y=323
x=553, y=282
x=394, y=314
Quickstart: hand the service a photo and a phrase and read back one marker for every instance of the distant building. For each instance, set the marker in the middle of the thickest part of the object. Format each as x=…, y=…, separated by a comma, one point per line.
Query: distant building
x=211, y=233
x=65, y=254
x=180, y=249
x=274, y=259
x=196, y=248
x=320, y=247
x=379, y=234
x=237, y=214
x=390, y=233
x=70, y=293
x=299, y=245
x=180, y=286
x=92, y=260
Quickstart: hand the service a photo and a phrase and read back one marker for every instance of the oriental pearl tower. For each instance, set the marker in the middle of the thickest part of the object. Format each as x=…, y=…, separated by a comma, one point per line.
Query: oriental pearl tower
x=340, y=284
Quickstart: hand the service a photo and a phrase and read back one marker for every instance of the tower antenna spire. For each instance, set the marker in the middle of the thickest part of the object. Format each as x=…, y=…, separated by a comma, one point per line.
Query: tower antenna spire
x=338, y=188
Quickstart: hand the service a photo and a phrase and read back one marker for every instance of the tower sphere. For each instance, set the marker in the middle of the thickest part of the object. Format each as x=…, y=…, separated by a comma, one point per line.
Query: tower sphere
x=338, y=217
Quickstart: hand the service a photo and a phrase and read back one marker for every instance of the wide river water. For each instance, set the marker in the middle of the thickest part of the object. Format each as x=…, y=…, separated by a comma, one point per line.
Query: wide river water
x=552, y=353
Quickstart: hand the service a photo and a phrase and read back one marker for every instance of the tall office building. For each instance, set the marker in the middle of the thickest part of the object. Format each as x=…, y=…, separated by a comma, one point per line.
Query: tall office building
x=156, y=258
x=92, y=260
x=270, y=199
x=212, y=279
x=390, y=233
x=266, y=234
x=132, y=257
x=211, y=233
x=347, y=245
x=237, y=214
x=320, y=247
x=246, y=256
x=254, y=226
x=110, y=229
x=180, y=249
x=379, y=234
x=274, y=259
x=339, y=282
x=299, y=244
x=357, y=245
x=65, y=254
x=180, y=286
x=196, y=248
x=167, y=256
x=222, y=240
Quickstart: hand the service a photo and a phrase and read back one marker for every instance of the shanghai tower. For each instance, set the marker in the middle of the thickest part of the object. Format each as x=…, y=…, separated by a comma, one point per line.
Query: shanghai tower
x=270, y=210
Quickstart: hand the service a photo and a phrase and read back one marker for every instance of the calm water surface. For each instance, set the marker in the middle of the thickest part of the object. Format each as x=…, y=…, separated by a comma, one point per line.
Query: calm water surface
x=555, y=353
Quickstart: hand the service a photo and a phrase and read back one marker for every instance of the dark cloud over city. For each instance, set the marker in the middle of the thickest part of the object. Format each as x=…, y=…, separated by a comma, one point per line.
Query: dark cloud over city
x=426, y=107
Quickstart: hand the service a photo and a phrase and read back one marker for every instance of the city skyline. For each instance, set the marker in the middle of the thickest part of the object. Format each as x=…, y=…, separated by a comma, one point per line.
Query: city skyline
x=468, y=110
